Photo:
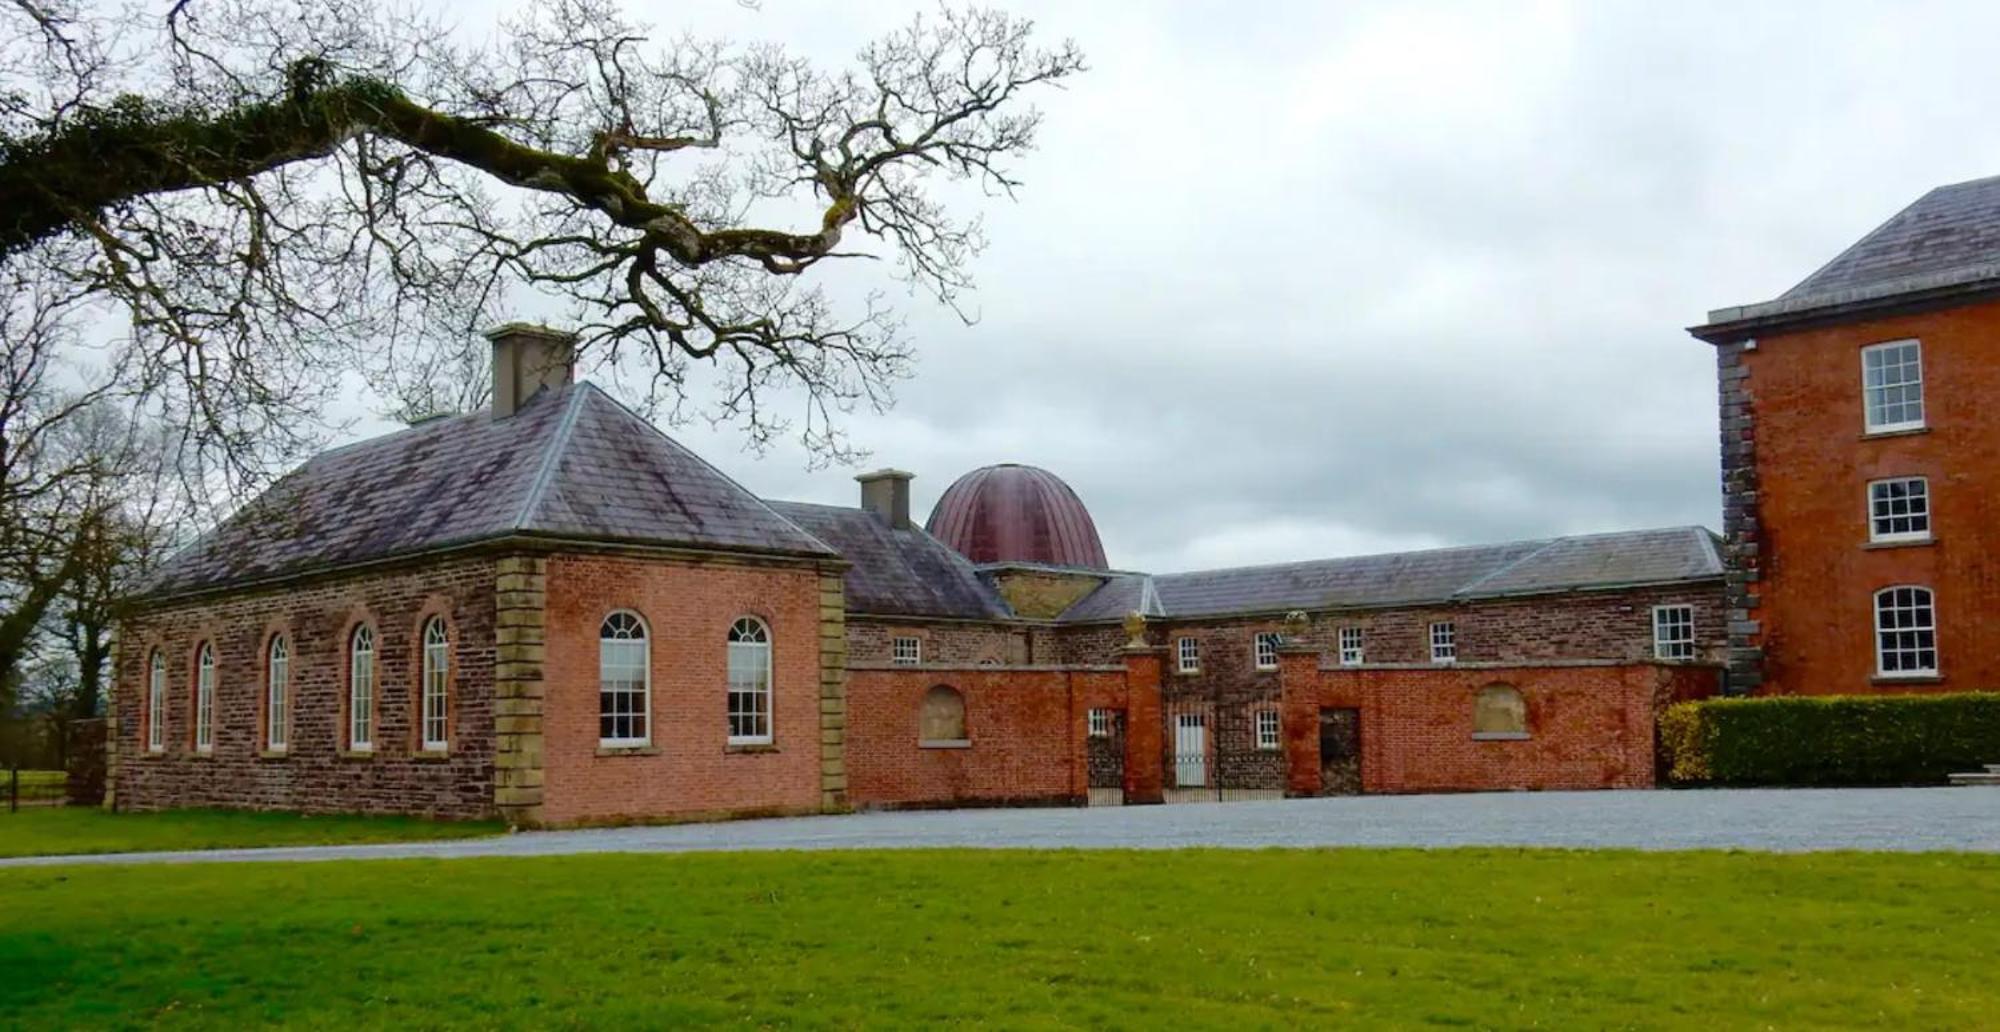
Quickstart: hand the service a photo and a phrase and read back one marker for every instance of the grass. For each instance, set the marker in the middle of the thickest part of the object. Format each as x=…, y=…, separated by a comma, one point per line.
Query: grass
x=1481, y=938
x=45, y=831
x=36, y=779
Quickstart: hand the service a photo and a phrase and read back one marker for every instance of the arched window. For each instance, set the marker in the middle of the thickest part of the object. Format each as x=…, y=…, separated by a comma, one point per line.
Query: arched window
x=277, y=698
x=943, y=719
x=1905, y=633
x=749, y=682
x=624, y=674
x=204, y=699
x=156, y=704
x=361, y=689
x=1500, y=713
x=436, y=730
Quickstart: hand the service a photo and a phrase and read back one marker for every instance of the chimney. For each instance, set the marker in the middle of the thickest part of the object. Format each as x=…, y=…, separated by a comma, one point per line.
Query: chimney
x=886, y=493
x=527, y=358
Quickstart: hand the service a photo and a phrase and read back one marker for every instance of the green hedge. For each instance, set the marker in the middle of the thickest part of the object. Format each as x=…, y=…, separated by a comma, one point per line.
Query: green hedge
x=1830, y=740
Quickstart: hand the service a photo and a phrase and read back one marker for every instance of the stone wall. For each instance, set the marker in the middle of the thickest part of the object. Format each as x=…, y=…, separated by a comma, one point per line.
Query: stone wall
x=315, y=772
x=950, y=643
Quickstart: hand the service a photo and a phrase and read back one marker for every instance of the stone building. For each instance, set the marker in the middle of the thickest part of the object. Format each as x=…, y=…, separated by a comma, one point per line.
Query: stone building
x=553, y=613
x=1859, y=461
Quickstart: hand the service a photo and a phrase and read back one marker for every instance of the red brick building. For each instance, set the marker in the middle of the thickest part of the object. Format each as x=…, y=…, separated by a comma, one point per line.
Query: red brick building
x=553, y=613
x=1861, y=461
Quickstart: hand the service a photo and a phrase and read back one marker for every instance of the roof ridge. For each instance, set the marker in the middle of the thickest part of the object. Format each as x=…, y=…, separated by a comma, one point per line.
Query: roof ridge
x=726, y=478
x=552, y=455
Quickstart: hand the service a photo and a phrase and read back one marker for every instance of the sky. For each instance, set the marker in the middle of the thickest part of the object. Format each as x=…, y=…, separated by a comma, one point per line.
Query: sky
x=1299, y=280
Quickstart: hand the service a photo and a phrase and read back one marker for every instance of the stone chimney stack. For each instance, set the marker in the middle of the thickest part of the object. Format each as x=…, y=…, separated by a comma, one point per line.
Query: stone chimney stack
x=527, y=358
x=886, y=493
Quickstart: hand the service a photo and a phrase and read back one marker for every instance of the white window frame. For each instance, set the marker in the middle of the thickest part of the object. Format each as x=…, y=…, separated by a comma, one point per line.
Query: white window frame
x=204, y=699
x=1264, y=649
x=906, y=650
x=1444, y=642
x=1353, y=646
x=1677, y=616
x=1100, y=723
x=1868, y=401
x=156, y=705
x=1268, y=726
x=435, y=715
x=620, y=641
x=751, y=700
x=1188, y=655
x=361, y=647
x=277, y=694
x=1917, y=506
x=1929, y=625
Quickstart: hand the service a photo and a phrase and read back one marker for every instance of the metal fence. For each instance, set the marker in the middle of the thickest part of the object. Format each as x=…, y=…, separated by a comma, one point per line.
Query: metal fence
x=1221, y=749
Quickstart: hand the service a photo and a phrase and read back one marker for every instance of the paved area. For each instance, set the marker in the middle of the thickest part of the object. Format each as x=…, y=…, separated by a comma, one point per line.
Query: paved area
x=1905, y=819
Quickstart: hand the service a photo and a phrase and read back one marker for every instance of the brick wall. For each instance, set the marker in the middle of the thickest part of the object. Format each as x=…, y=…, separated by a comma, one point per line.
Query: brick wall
x=1589, y=726
x=689, y=769
x=1028, y=742
x=1797, y=501
x=314, y=773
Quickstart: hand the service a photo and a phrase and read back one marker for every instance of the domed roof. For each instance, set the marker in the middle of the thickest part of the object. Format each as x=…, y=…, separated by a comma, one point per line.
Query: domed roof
x=1019, y=514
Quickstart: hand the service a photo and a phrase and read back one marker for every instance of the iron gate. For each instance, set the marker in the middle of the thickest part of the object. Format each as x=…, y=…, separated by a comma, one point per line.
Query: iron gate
x=1221, y=750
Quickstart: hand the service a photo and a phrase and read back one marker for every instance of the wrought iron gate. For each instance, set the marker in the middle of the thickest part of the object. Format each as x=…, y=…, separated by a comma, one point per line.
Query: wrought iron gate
x=1213, y=751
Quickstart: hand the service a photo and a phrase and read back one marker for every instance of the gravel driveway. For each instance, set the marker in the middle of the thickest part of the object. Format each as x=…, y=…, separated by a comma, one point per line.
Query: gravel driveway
x=1903, y=819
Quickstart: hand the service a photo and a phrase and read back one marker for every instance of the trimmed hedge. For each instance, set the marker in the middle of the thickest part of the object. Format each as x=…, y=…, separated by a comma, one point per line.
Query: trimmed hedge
x=1830, y=740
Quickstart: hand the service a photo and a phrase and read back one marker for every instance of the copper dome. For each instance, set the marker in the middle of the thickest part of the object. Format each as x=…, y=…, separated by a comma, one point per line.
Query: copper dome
x=1020, y=514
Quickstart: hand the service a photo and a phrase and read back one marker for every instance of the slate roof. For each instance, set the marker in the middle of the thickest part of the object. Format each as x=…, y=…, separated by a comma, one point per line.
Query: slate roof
x=1944, y=247
x=1413, y=578
x=571, y=462
x=897, y=572
x=1948, y=229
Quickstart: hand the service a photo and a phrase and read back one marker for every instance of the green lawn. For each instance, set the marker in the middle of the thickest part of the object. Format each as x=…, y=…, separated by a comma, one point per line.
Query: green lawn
x=1188, y=939
x=42, y=831
x=36, y=778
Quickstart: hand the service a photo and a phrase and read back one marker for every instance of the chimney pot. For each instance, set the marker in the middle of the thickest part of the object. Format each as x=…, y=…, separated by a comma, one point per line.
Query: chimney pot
x=886, y=493
x=527, y=358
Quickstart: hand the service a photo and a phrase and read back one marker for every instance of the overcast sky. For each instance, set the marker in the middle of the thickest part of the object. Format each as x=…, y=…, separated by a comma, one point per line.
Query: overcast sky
x=1298, y=280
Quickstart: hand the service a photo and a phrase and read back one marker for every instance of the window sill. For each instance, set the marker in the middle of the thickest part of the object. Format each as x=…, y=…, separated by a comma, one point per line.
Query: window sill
x=944, y=743
x=750, y=748
x=1188, y=673
x=430, y=756
x=1907, y=679
x=628, y=750
x=1908, y=431
x=1264, y=670
x=1499, y=736
x=357, y=754
x=201, y=754
x=274, y=754
x=1922, y=542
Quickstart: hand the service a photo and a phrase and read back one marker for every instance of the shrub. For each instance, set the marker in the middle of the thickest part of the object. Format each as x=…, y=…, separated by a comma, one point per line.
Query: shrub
x=1830, y=740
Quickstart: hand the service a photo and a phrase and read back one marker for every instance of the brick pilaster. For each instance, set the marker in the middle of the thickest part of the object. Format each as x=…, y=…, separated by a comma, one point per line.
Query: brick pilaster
x=519, y=641
x=832, y=692
x=1742, y=530
x=1145, y=765
x=1298, y=684
x=112, y=684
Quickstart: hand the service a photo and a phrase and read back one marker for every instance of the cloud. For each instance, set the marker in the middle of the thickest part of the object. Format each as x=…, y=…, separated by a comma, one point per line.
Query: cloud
x=1293, y=280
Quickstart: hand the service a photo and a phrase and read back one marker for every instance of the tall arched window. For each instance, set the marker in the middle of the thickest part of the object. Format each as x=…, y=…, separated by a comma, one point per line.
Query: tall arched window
x=277, y=694
x=436, y=672
x=361, y=689
x=624, y=676
x=1500, y=712
x=942, y=721
x=156, y=704
x=1905, y=633
x=204, y=699
x=749, y=682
